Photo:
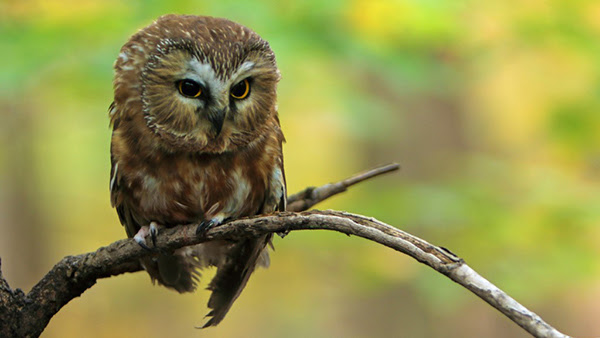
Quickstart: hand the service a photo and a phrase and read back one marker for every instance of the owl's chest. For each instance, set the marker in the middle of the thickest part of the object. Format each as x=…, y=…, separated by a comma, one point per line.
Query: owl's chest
x=187, y=189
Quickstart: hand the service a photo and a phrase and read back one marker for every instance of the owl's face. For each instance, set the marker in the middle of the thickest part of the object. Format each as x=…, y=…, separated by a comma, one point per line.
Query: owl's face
x=201, y=84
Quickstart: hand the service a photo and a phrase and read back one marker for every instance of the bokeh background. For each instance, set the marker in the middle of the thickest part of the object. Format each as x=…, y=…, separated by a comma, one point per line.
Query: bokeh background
x=491, y=107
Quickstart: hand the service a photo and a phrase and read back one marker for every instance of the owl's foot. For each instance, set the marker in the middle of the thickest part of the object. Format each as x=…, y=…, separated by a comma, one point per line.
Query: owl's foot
x=144, y=231
x=204, y=226
x=282, y=234
x=153, y=232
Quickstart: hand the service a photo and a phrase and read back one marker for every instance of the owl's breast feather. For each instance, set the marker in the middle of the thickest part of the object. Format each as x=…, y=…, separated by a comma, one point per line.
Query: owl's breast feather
x=185, y=190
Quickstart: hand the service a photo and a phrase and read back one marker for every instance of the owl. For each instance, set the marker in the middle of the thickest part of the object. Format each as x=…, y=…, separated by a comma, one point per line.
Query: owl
x=196, y=139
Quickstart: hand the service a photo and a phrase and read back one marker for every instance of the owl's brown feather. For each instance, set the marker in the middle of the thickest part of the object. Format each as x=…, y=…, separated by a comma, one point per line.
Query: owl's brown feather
x=171, y=163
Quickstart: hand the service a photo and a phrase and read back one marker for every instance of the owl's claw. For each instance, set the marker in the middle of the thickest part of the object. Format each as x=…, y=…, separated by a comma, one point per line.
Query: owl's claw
x=140, y=237
x=204, y=226
x=142, y=243
x=153, y=232
x=282, y=234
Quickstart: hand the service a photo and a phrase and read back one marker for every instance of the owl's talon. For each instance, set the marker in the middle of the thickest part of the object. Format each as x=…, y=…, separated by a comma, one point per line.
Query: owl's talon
x=140, y=237
x=153, y=232
x=204, y=226
x=282, y=234
x=142, y=243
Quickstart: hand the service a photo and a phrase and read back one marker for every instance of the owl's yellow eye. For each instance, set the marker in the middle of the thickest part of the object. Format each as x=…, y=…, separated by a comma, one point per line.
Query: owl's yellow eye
x=241, y=90
x=189, y=88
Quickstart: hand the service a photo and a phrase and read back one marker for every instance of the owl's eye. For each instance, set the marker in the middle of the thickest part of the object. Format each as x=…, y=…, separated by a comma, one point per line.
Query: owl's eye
x=241, y=90
x=189, y=88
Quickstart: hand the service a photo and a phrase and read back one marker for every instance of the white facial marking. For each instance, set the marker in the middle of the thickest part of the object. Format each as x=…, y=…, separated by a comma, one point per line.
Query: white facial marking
x=205, y=74
x=246, y=66
x=242, y=72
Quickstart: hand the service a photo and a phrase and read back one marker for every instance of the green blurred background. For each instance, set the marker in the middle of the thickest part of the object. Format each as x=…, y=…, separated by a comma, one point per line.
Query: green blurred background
x=491, y=108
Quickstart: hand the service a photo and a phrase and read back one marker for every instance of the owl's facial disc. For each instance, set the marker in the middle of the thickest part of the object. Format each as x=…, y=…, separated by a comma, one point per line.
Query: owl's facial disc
x=212, y=95
x=191, y=100
x=199, y=96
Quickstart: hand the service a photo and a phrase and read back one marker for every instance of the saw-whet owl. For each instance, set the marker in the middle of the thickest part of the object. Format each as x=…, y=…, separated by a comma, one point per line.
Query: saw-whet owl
x=196, y=140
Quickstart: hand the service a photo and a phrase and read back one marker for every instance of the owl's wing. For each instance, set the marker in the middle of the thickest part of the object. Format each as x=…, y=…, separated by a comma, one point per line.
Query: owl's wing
x=116, y=195
x=126, y=216
x=276, y=196
x=117, y=199
x=242, y=258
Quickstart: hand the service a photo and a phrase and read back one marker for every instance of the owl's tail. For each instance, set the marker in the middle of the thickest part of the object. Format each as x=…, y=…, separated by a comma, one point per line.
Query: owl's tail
x=179, y=271
x=233, y=274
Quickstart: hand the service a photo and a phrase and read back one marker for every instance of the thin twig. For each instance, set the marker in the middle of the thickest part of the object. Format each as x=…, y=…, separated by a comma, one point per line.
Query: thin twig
x=310, y=196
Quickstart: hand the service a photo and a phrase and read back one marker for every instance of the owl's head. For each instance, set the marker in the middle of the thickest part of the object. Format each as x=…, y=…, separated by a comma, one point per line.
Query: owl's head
x=200, y=83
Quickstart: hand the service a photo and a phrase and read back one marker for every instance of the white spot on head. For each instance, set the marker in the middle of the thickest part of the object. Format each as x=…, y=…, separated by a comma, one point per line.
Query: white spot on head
x=123, y=56
x=138, y=48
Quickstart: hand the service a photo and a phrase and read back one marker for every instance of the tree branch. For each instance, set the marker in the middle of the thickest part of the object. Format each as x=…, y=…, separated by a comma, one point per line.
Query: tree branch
x=310, y=196
x=28, y=315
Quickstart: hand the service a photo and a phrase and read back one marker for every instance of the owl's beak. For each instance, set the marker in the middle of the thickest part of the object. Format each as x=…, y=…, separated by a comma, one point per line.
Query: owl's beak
x=216, y=118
